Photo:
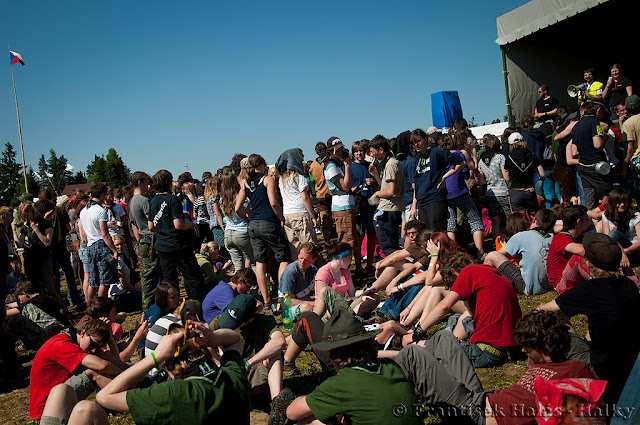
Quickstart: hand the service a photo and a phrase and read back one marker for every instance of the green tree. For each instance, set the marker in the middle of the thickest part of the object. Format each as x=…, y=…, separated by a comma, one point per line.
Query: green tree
x=109, y=169
x=53, y=172
x=97, y=170
x=77, y=178
x=9, y=175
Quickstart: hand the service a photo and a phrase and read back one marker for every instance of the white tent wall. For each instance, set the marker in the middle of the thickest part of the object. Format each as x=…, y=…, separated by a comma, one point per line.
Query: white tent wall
x=539, y=49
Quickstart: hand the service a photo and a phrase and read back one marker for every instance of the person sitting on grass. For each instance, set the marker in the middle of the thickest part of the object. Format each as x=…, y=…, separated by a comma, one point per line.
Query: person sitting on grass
x=102, y=308
x=166, y=300
x=442, y=374
x=611, y=303
x=334, y=279
x=532, y=247
x=199, y=391
x=262, y=351
x=365, y=390
x=221, y=295
x=187, y=310
x=486, y=331
x=211, y=264
x=387, y=269
x=26, y=321
x=298, y=279
x=67, y=368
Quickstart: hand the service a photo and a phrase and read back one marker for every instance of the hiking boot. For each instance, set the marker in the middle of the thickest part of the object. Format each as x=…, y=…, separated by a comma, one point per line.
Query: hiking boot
x=289, y=370
x=279, y=404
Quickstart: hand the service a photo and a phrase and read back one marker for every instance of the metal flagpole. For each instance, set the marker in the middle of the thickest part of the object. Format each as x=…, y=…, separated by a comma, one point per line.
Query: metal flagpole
x=15, y=97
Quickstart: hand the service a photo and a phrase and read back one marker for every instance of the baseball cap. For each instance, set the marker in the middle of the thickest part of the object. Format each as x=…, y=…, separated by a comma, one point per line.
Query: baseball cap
x=334, y=141
x=431, y=130
x=515, y=138
x=241, y=308
x=602, y=251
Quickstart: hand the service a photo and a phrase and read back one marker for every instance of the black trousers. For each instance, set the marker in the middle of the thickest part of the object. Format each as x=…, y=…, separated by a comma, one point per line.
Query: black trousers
x=183, y=262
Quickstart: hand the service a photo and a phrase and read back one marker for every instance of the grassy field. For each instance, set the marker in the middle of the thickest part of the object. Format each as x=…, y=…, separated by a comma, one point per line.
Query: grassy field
x=14, y=405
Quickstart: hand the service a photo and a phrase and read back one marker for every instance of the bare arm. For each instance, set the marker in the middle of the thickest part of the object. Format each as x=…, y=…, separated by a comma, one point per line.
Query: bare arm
x=240, y=197
x=218, y=212
x=100, y=365
x=272, y=193
x=299, y=410
x=46, y=238
x=571, y=154
x=106, y=237
x=551, y=306
x=575, y=248
x=440, y=310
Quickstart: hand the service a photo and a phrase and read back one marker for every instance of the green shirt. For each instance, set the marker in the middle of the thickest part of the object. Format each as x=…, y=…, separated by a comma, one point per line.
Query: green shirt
x=376, y=393
x=222, y=399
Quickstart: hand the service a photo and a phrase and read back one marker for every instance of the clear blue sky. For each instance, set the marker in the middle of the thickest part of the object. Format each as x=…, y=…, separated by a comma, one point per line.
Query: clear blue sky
x=168, y=83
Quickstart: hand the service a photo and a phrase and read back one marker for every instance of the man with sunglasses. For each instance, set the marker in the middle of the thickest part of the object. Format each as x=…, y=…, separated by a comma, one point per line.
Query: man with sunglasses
x=67, y=369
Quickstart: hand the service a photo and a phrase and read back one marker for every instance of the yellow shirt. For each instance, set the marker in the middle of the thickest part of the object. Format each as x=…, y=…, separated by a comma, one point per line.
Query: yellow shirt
x=594, y=89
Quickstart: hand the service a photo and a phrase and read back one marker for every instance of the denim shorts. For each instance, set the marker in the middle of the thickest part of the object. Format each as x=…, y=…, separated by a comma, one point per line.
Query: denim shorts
x=102, y=267
x=83, y=253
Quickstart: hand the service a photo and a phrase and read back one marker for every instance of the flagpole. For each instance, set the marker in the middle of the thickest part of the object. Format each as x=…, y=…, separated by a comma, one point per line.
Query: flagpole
x=19, y=122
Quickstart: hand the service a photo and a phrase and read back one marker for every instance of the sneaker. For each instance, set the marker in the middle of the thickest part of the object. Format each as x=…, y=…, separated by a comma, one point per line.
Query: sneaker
x=279, y=404
x=289, y=370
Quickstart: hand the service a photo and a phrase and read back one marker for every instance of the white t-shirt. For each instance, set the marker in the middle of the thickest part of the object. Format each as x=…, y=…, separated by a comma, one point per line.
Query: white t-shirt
x=340, y=200
x=290, y=190
x=90, y=219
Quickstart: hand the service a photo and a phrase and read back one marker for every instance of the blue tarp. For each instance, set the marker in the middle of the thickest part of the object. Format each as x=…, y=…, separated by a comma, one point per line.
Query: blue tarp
x=445, y=108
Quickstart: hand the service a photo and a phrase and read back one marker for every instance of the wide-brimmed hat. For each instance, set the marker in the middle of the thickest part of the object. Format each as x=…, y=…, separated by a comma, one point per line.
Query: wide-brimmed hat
x=241, y=308
x=602, y=251
x=341, y=330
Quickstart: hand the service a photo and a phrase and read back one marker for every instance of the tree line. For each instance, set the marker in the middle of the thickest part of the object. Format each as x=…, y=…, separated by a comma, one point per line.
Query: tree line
x=54, y=173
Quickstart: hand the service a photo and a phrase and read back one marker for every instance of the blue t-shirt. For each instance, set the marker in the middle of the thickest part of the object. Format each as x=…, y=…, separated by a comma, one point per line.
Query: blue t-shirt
x=297, y=283
x=409, y=167
x=533, y=247
x=430, y=167
x=216, y=301
x=153, y=313
x=359, y=172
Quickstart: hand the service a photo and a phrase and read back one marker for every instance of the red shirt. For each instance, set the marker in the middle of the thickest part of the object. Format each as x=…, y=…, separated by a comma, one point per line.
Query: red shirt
x=557, y=257
x=53, y=364
x=494, y=304
x=516, y=405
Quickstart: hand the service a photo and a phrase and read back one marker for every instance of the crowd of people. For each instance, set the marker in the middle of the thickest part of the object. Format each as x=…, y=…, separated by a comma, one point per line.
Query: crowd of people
x=401, y=263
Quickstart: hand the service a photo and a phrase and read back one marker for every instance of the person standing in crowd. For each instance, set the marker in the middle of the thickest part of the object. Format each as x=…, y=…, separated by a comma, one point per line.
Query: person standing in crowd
x=587, y=136
x=362, y=186
x=265, y=221
x=212, y=190
x=388, y=217
x=408, y=167
x=432, y=169
x=299, y=216
x=617, y=89
x=236, y=227
x=546, y=107
x=101, y=252
x=173, y=235
x=631, y=136
x=611, y=302
x=337, y=173
x=323, y=197
x=201, y=216
x=521, y=166
x=138, y=217
x=492, y=165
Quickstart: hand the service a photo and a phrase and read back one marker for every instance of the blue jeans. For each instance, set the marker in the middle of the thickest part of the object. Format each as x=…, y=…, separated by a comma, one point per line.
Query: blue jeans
x=394, y=305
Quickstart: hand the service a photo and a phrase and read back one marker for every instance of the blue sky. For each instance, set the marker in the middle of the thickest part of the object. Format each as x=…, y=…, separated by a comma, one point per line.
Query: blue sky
x=175, y=83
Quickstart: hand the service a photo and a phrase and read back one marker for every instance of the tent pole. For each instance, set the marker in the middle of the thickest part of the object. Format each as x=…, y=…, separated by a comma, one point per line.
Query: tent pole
x=505, y=75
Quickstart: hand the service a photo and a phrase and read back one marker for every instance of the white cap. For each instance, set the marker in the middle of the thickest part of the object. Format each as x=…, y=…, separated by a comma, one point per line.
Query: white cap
x=431, y=130
x=515, y=138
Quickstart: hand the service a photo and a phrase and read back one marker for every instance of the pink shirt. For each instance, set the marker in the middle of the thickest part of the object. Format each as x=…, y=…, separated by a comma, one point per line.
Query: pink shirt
x=325, y=275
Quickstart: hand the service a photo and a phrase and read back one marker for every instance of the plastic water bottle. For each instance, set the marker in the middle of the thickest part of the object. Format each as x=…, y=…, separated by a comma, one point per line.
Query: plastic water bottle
x=287, y=318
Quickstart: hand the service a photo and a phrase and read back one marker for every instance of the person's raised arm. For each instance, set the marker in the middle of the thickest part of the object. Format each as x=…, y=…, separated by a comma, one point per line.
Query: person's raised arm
x=114, y=395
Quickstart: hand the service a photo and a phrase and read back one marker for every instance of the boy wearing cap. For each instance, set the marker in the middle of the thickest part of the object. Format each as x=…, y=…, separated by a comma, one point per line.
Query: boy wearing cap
x=365, y=390
x=611, y=303
x=262, y=351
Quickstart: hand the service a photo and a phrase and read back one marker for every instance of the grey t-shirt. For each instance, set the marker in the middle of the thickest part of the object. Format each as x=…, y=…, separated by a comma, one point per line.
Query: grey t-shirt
x=139, y=212
x=533, y=246
x=392, y=173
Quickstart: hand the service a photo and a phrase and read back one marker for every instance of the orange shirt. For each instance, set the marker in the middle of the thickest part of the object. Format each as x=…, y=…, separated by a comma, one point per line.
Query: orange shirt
x=317, y=171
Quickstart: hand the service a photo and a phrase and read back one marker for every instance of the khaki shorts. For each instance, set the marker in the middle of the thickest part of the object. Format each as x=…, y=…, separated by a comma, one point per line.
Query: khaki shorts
x=299, y=229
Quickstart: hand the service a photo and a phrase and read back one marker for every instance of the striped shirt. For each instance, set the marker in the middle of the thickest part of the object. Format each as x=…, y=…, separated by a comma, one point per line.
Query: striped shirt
x=157, y=331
